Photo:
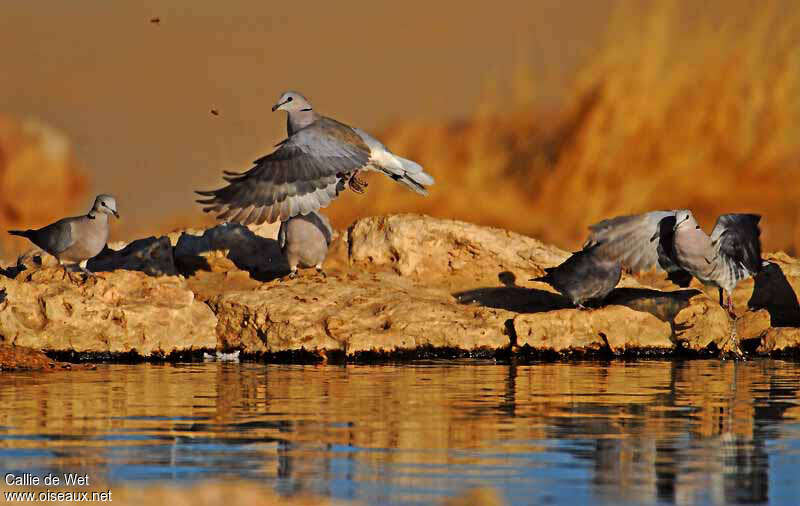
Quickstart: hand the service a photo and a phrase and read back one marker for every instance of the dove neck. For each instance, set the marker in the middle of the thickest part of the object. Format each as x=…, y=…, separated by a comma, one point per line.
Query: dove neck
x=300, y=119
x=97, y=215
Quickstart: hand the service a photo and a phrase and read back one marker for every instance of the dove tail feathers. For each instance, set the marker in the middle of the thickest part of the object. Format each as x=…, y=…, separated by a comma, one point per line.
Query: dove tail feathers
x=410, y=174
x=21, y=233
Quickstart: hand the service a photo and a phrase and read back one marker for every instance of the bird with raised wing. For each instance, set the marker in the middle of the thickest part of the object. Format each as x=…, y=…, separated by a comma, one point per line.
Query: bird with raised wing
x=304, y=240
x=584, y=276
x=674, y=242
x=318, y=160
x=75, y=240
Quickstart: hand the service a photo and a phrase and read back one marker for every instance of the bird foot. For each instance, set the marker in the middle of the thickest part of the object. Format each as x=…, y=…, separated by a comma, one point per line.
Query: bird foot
x=731, y=345
x=581, y=307
x=357, y=185
x=68, y=274
x=292, y=274
x=321, y=272
x=90, y=275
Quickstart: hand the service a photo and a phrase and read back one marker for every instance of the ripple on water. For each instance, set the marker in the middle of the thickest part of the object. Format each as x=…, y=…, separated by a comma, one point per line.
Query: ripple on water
x=650, y=432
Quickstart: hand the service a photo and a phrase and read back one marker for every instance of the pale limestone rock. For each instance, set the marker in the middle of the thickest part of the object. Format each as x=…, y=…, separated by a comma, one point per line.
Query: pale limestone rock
x=380, y=313
x=779, y=339
x=431, y=249
x=122, y=312
x=612, y=328
x=701, y=323
x=753, y=325
x=398, y=283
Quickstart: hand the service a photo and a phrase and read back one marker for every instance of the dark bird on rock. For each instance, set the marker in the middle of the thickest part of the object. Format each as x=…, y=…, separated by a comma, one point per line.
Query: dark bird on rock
x=584, y=276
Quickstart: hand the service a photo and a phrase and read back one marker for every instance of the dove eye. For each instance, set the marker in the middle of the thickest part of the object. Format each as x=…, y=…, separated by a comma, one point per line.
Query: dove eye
x=289, y=99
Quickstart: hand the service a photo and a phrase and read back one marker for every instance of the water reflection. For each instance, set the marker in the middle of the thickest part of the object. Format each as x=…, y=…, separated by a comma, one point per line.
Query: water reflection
x=692, y=432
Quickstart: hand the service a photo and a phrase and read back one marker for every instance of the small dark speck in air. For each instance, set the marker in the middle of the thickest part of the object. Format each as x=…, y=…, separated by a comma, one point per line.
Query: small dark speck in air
x=215, y=112
x=155, y=21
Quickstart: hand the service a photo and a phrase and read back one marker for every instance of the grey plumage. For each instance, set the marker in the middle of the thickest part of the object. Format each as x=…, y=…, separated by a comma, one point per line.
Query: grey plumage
x=304, y=240
x=77, y=239
x=674, y=242
x=318, y=160
x=584, y=276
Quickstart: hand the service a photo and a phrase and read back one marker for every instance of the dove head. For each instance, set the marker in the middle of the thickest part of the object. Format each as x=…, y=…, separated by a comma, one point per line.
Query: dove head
x=291, y=101
x=105, y=204
x=684, y=219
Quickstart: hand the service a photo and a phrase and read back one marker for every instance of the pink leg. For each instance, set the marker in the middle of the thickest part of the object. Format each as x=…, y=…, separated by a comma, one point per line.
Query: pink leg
x=729, y=307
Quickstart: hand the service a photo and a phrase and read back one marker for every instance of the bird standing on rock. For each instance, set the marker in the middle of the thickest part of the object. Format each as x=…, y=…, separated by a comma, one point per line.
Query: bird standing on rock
x=305, y=240
x=584, y=276
x=673, y=241
x=75, y=240
x=307, y=170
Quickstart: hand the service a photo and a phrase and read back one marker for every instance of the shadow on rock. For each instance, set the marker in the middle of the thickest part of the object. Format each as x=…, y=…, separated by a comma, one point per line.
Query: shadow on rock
x=513, y=298
x=151, y=255
x=238, y=244
x=663, y=305
x=773, y=292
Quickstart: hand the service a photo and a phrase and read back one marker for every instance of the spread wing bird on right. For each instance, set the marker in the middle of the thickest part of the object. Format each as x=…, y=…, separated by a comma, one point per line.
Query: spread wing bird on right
x=675, y=243
x=319, y=159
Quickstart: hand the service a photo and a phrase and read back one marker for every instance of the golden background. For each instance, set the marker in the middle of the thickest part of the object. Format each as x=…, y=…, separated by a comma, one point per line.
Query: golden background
x=538, y=116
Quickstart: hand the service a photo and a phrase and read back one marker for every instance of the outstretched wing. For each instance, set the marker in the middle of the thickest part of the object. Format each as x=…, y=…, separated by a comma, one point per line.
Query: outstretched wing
x=305, y=173
x=632, y=239
x=737, y=239
x=640, y=242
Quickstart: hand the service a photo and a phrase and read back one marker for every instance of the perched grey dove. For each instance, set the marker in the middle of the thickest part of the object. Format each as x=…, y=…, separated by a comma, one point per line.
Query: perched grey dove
x=308, y=169
x=75, y=240
x=304, y=239
x=673, y=241
x=584, y=276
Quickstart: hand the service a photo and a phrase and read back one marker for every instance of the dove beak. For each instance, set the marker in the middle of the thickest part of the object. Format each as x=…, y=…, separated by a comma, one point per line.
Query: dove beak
x=277, y=106
x=678, y=224
x=116, y=214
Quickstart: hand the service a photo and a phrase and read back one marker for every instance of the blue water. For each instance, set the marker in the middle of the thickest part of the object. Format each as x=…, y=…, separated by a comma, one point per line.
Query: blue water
x=651, y=432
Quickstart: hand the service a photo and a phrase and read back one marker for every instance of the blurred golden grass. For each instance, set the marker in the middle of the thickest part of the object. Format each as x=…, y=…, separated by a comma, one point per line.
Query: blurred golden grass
x=680, y=107
x=39, y=178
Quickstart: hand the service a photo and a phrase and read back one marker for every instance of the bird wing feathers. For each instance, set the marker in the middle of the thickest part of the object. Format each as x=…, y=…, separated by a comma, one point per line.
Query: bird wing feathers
x=631, y=240
x=736, y=238
x=56, y=237
x=303, y=174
